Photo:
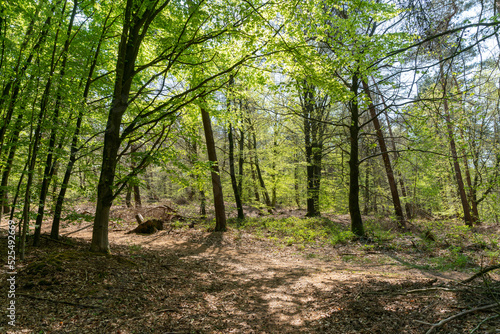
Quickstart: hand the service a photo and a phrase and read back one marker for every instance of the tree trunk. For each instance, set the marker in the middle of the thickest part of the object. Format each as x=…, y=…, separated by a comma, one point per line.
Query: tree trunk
x=367, y=189
x=220, y=212
x=313, y=148
x=135, y=26
x=234, y=182
x=32, y=156
x=456, y=165
x=128, y=197
x=203, y=204
x=254, y=179
x=387, y=162
x=458, y=174
x=396, y=156
x=354, y=210
x=135, y=185
x=259, y=176
x=296, y=185
x=105, y=194
x=51, y=158
x=137, y=196
x=241, y=142
x=473, y=204
x=8, y=166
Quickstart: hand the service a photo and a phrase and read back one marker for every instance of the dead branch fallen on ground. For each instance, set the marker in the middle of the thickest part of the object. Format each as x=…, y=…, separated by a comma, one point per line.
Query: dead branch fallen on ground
x=437, y=288
x=458, y=315
x=481, y=273
x=58, y=301
x=57, y=241
x=83, y=228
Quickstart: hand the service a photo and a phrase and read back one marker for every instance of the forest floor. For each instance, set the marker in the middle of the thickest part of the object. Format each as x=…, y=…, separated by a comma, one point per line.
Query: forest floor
x=248, y=280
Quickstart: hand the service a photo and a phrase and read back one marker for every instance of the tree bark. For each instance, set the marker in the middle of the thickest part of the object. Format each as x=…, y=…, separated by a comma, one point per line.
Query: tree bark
x=262, y=184
x=127, y=54
x=128, y=197
x=254, y=179
x=241, y=142
x=313, y=129
x=296, y=185
x=220, y=212
x=354, y=210
x=234, y=182
x=404, y=192
x=386, y=159
x=456, y=165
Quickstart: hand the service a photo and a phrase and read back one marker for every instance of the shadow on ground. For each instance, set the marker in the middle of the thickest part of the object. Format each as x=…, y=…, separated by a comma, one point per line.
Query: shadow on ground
x=201, y=285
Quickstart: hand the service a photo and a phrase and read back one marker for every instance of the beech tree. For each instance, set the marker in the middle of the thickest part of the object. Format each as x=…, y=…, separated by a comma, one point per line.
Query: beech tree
x=141, y=21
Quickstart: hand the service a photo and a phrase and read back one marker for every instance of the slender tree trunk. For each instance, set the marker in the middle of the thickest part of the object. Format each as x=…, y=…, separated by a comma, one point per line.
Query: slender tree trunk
x=54, y=234
x=396, y=156
x=234, y=182
x=241, y=142
x=220, y=212
x=51, y=158
x=32, y=156
x=354, y=210
x=296, y=185
x=135, y=185
x=203, y=204
x=473, y=204
x=312, y=149
x=367, y=190
x=456, y=165
x=275, y=174
x=259, y=176
x=15, y=86
x=387, y=162
x=128, y=197
x=458, y=174
x=34, y=153
x=8, y=166
x=254, y=179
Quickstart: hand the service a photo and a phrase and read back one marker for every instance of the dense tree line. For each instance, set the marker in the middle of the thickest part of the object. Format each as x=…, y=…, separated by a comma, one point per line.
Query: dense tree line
x=357, y=107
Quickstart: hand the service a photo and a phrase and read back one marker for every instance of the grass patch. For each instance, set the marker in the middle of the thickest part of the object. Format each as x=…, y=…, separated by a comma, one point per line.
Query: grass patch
x=297, y=231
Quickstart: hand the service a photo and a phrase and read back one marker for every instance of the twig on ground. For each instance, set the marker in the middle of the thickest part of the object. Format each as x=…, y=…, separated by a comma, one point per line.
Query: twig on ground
x=58, y=301
x=483, y=321
x=57, y=241
x=481, y=273
x=458, y=315
x=83, y=228
x=437, y=288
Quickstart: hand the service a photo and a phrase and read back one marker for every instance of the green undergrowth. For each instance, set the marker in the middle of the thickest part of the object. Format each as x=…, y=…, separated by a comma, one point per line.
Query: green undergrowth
x=433, y=245
x=297, y=231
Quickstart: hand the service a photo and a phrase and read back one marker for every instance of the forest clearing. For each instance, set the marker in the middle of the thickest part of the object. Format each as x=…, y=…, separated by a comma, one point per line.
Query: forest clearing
x=256, y=279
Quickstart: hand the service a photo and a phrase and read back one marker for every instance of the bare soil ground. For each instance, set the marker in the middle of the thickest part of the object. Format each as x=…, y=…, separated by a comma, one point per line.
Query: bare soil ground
x=189, y=280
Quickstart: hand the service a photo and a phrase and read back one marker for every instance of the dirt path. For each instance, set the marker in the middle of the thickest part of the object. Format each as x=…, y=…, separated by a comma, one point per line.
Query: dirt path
x=192, y=281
